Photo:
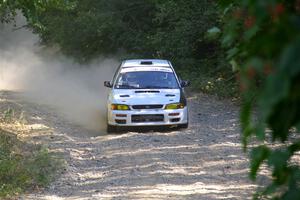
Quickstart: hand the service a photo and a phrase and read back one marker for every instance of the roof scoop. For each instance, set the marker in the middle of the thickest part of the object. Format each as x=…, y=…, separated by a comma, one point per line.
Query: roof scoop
x=146, y=63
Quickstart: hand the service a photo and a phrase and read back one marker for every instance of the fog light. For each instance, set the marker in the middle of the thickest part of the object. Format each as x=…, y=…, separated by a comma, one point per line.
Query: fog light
x=174, y=106
x=175, y=120
x=119, y=107
x=120, y=121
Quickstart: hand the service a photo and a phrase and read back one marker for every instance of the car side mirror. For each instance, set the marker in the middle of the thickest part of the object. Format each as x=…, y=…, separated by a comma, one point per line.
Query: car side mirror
x=107, y=84
x=185, y=83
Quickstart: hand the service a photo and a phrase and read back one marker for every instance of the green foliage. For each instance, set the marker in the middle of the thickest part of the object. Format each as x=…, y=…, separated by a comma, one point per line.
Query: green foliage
x=263, y=42
x=151, y=28
x=258, y=155
x=30, y=9
x=173, y=30
x=8, y=115
x=23, y=166
x=92, y=28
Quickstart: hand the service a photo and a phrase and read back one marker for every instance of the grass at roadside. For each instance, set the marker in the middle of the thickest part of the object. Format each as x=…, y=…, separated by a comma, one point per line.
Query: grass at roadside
x=24, y=166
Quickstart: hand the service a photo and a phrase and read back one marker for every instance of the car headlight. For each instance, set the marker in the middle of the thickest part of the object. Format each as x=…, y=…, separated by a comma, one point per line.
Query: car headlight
x=174, y=106
x=119, y=107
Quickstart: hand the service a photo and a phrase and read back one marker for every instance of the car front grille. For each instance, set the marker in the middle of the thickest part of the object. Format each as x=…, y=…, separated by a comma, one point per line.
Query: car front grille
x=147, y=118
x=141, y=107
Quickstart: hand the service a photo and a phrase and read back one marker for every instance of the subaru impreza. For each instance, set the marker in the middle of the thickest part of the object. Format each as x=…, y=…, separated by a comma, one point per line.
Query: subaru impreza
x=146, y=93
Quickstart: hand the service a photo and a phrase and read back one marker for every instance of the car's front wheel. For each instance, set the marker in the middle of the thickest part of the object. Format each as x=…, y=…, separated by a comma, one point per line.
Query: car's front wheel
x=183, y=126
x=111, y=129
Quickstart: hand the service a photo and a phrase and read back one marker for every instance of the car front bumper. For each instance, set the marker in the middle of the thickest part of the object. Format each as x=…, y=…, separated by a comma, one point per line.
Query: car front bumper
x=147, y=117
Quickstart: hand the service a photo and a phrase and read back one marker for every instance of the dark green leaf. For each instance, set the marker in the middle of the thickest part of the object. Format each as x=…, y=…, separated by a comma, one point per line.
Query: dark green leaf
x=258, y=155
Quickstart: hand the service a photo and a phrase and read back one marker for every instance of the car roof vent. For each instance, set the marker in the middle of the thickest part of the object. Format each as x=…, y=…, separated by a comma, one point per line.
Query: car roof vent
x=146, y=63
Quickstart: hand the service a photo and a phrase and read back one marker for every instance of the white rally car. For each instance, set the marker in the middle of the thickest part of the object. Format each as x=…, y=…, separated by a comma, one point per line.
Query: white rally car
x=146, y=93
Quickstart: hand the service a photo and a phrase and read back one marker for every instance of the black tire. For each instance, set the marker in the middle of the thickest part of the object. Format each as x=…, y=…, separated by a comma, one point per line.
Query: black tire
x=111, y=129
x=183, y=126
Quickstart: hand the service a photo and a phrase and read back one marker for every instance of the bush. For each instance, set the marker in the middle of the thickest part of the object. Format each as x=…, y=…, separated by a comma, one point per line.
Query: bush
x=24, y=166
x=262, y=38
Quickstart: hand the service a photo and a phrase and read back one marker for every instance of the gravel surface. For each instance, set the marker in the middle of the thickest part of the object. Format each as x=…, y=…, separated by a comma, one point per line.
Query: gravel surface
x=204, y=161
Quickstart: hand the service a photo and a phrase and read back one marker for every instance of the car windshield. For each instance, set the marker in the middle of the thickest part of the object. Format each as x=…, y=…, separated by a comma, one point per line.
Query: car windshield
x=146, y=80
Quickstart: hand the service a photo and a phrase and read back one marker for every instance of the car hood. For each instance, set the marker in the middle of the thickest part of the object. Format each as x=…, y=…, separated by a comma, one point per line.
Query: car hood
x=144, y=96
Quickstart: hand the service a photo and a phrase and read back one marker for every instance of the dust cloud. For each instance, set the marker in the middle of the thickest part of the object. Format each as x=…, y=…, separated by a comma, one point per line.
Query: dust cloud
x=45, y=77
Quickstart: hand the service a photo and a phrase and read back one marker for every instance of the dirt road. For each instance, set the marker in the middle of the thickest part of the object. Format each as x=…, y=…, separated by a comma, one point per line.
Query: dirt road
x=203, y=162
